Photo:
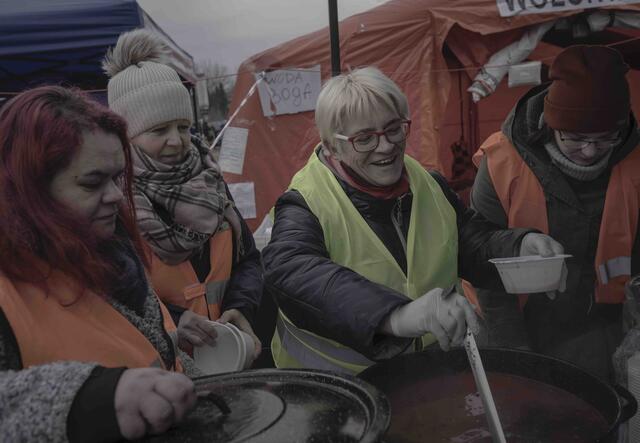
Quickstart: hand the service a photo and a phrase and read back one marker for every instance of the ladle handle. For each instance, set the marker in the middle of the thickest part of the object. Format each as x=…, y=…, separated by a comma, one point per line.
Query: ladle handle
x=490, y=411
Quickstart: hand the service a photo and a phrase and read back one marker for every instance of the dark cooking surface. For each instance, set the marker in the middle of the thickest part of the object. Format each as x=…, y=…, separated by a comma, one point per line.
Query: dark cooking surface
x=283, y=406
x=449, y=409
x=550, y=390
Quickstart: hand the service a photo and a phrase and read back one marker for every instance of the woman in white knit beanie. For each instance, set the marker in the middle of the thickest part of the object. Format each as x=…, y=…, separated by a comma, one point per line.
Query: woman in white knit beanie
x=204, y=264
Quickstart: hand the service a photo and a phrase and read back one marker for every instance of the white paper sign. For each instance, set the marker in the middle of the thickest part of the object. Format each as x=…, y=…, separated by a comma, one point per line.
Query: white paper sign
x=244, y=197
x=234, y=145
x=289, y=91
x=509, y=8
x=525, y=74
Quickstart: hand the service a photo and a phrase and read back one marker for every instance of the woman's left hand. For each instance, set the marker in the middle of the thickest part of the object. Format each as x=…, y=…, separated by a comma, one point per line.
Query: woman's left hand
x=195, y=330
x=540, y=244
x=234, y=316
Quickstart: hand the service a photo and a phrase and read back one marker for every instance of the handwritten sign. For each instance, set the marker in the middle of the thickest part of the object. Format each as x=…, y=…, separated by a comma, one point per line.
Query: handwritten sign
x=234, y=145
x=289, y=91
x=509, y=8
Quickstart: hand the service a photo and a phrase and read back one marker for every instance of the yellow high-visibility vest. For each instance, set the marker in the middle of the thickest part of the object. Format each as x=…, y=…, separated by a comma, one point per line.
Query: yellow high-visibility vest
x=432, y=258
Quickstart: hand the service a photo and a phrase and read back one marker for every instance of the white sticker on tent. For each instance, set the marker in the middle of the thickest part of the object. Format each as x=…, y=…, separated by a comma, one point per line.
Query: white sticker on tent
x=289, y=91
x=234, y=145
x=525, y=74
x=244, y=197
x=509, y=8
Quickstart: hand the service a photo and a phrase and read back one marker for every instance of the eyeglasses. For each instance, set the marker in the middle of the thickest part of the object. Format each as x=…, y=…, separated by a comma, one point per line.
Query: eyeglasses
x=579, y=143
x=397, y=132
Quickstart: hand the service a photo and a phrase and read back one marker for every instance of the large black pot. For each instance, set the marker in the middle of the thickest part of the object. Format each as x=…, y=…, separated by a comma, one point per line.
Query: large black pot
x=400, y=378
x=283, y=406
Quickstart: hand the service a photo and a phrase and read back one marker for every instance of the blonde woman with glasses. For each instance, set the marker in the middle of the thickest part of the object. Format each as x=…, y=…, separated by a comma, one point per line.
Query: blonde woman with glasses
x=367, y=246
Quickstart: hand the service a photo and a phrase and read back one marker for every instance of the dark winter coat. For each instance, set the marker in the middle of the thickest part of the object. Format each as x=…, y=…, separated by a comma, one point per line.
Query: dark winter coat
x=572, y=326
x=335, y=302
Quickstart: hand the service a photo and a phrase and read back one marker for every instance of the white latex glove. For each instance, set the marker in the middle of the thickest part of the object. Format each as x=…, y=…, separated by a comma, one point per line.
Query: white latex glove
x=195, y=330
x=544, y=246
x=445, y=317
x=151, y=400
x=540, y=244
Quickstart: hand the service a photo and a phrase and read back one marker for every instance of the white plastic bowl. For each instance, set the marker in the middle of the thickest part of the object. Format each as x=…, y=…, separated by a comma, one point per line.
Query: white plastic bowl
x=533, y=273
x=247, y=345
x=225, y=356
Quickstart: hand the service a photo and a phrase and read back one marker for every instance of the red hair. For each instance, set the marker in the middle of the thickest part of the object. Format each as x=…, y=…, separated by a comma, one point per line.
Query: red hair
x=40, y=132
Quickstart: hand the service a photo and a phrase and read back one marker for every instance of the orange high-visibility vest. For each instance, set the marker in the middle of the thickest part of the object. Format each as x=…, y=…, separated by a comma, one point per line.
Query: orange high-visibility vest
x=179, y=284
x=523, y=200
x=60, y=326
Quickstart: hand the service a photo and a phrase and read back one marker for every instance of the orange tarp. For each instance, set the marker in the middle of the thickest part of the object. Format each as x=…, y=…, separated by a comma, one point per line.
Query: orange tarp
x=406, y=39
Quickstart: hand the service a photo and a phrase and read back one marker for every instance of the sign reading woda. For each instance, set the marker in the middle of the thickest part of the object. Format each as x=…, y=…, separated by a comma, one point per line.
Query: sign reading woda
x=509, y=8
x=289, y=91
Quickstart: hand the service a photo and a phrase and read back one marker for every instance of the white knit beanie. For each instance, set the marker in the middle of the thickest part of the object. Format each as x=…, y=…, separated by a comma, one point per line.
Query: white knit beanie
x=142, y=89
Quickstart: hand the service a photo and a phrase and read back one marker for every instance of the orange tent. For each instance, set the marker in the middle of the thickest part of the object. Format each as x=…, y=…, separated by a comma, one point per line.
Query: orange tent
x=432, y=49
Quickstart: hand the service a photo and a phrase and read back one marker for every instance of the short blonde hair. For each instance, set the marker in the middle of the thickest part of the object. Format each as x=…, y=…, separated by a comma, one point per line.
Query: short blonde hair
x=356, y=94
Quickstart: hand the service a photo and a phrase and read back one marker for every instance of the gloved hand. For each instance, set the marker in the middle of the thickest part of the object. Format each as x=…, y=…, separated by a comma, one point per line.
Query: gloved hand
x=540, y=244
x=195, y=330
x=151, y=400
x=235, y=316
x=444, y=314
x=544, y=246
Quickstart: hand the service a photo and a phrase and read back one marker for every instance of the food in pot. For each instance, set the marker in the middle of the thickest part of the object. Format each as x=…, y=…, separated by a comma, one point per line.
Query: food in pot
x=447, y=409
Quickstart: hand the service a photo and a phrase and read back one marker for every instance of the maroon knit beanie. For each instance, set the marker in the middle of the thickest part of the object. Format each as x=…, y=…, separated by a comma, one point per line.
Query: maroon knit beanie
x=589, y=92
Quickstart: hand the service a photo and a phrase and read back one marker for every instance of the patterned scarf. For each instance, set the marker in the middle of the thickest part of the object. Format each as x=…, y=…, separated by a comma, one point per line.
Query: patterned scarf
x=191, y=197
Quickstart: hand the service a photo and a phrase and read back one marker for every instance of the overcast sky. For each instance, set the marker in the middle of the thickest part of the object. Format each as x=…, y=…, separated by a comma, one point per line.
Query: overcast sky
x=230, y=31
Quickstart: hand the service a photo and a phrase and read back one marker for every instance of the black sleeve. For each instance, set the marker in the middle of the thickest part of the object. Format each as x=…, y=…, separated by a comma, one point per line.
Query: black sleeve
x=503, y=317
x=175, y=311
x=93, y=415
x=10, y=358
x=319, y=295
x=484, y=198
x=480, y=240
x=246, y=283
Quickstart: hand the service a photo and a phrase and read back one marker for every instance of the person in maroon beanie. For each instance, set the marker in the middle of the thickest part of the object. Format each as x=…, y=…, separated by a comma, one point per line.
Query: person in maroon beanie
x=566, y=163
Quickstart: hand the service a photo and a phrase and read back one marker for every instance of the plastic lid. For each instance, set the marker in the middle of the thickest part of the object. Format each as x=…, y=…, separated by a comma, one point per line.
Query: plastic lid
x=284, y=406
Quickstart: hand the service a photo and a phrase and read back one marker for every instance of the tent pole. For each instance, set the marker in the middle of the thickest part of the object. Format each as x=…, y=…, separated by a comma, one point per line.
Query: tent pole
x=335, y=37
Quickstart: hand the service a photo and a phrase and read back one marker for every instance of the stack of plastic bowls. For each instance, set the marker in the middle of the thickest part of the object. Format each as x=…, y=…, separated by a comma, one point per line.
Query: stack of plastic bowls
x=233, y=351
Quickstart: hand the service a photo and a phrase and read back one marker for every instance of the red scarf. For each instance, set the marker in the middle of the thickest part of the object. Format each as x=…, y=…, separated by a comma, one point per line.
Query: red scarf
x=395, y=190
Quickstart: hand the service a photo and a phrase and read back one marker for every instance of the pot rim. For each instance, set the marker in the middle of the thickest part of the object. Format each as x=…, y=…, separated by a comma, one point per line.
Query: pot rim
x=373, y=401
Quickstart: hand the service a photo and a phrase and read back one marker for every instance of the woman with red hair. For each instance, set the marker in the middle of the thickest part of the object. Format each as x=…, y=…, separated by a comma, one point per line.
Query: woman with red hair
x=84, y=352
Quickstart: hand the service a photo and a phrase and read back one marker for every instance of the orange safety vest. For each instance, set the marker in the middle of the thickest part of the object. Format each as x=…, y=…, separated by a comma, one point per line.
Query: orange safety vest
x=523, y=200
x=62, y=327
x=179, y=284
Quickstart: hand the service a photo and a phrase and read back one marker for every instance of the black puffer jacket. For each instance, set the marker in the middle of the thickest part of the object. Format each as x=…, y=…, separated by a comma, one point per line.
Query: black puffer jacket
x=335, y=302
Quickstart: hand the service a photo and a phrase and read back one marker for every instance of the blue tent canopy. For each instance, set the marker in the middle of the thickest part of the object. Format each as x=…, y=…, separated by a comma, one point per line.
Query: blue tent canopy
x=64, y=41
